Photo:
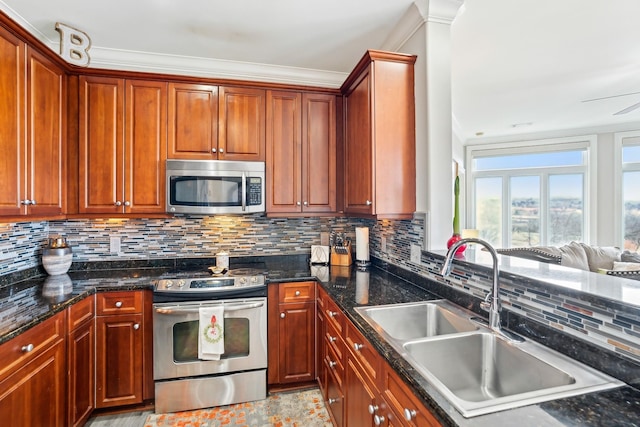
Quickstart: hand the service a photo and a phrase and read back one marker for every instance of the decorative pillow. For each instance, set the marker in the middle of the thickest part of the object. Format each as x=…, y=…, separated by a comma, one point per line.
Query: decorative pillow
x=539, y=253
x=573, y=255
x=601, y=256
x=626, y=266
x=627, y=256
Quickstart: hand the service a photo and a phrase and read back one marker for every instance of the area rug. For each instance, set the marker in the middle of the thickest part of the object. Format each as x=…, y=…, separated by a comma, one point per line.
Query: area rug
x=288, y=409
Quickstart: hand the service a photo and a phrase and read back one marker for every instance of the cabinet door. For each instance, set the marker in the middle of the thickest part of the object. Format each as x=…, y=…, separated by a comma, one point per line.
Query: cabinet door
x=241, y=124
x=297, y=342
x=318, y=153
x=35, y=394
x=193, y=121
x=101, y=145
x=358, y=150
x=46, y=109
x=284, y=191
x=145, y=146
x=12, y=125
x=359, y=394
x=81, y=368
x=119, y=367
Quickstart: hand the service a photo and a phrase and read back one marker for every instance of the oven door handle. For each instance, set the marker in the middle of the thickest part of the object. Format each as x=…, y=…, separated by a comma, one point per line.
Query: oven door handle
x=176, y=309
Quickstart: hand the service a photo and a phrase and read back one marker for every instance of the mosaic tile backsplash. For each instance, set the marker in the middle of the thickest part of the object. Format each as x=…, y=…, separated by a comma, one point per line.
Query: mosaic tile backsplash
x=190, y=236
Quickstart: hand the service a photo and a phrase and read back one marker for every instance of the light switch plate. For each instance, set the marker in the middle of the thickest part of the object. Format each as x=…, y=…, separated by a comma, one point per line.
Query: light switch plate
x=415, y=254
x=384, y=245
x=114, y=245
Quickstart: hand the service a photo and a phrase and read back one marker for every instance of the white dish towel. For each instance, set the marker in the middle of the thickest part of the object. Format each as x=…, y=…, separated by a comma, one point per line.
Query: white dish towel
x=211, y=333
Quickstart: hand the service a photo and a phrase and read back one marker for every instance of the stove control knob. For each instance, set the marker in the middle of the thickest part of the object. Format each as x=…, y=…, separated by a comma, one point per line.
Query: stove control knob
x=181, y=283
x=254, y=279
x=243, y=280
x=168, y=284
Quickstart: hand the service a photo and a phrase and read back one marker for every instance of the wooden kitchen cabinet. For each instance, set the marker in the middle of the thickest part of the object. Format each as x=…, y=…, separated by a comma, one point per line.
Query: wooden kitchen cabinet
x=216, y=123
x=33, y=376
x=81, y=361
x=380, y=169
x=301, y=153
x=292, y=349
x=120, y=331
x=32, y=119
x=123, y=146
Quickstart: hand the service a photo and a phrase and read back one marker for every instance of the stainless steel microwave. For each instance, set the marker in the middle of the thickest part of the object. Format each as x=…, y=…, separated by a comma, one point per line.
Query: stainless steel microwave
x=208, y=187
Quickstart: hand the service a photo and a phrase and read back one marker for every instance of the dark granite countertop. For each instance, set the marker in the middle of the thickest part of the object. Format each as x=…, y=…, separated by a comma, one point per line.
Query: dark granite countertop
x=26, y=303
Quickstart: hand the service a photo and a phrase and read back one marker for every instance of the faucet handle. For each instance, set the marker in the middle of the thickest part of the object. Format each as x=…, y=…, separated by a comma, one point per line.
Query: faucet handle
x=486, y=304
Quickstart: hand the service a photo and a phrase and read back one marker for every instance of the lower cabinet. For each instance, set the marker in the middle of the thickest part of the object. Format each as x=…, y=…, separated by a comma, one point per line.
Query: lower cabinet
x=119, y=348
x=359, y=387
x=33, y=376
x=292, y=323
x=81, y=361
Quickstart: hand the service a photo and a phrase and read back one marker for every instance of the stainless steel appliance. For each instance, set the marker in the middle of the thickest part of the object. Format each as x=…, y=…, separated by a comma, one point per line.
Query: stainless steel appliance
x=215, y=187
x=182, y=380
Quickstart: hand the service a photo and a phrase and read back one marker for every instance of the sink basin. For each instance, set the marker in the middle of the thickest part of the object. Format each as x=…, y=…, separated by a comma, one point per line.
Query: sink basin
x=482, y=372
x=417, y=320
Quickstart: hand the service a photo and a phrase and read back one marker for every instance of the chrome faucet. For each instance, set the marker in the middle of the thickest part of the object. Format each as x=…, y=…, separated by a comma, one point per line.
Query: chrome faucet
x=492, y=301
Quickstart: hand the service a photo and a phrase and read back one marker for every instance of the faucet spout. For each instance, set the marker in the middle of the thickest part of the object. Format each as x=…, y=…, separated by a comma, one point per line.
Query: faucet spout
x=493, y=298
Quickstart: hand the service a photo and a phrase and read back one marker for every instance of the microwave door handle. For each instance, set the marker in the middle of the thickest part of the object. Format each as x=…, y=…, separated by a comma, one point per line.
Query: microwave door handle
x=176, y=309
x=244, y=192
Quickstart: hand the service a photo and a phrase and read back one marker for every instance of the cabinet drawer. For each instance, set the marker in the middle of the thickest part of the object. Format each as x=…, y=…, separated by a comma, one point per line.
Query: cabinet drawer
x=404, y=403
x=334, y=365
x=30, y=344
x=297, y=292
x=334, y=341
x=81, y=312
x=334, y=315
x=120, y=302
x=335, y=400
x=363, y=351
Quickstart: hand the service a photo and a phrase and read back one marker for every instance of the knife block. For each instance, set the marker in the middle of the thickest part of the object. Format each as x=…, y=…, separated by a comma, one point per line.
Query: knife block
x=341, y=259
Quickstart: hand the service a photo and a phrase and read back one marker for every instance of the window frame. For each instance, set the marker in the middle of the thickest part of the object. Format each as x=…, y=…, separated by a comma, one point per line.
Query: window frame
x=619, y=169
x=588, y=143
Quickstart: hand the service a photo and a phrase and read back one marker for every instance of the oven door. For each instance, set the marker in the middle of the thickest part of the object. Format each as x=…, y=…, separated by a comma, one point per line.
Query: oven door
x=175, y=338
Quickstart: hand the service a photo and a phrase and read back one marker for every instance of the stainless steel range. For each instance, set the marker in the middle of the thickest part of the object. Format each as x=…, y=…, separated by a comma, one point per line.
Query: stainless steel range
x=184, y=380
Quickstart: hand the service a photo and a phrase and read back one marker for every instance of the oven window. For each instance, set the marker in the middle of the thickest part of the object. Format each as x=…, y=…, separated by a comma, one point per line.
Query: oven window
x=236, y=339
x=205, y=191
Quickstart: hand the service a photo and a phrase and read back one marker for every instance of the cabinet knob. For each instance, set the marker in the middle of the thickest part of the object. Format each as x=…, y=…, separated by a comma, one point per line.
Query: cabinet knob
x=331, y=401
x=213, y=150
x=332, y=364
x=373, y=409
x=118, y=203
x=118, y=304
x=33, y=202
x=306, y=203
x=127, y=203
x=26, y=202
x=332, y=313
x=221, y=150
x=357, y=346
x=282, y=315
x=136, y=326
x=297, y=293
x=409, y=414
x=368, y=203
x=378, y=420
x=298, y=203
x=332, y=339
x=27, y=348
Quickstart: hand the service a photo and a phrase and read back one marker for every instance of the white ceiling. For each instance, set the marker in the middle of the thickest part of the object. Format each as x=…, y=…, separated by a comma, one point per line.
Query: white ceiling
x=513, y=62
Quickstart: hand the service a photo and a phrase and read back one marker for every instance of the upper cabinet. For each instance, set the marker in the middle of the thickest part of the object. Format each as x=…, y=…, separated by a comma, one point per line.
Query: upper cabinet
x=32, y=123
x=301, y=153
x=380, y=168
x=122, y=148
x=210, y=122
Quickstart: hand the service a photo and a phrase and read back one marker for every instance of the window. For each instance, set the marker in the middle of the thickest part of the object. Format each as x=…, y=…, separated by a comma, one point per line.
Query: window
x=631, y=193
x=530, y=194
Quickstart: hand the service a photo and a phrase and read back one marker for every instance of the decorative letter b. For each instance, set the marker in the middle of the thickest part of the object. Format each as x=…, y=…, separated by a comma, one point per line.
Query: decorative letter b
x=74, y=45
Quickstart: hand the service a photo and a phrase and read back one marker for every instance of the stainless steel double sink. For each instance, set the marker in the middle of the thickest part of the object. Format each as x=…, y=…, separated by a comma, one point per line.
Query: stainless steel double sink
x=476, y=370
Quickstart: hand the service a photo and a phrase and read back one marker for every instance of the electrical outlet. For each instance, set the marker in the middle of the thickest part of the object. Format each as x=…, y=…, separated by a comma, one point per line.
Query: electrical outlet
x=415, y=254
x=114, y=245
x=384, y=245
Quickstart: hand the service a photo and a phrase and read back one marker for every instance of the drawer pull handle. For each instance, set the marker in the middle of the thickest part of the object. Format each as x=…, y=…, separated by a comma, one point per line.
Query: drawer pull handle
x=378, y=420
x=136, y=326
x=118, y=304
x=27, y=348
x=332, y=364
x=373, y=409
x=332, y=339
x=331, y=401
x=357, y=346
x=297, y=293
x=409, y=414
x=332, y=313
x=282, y=315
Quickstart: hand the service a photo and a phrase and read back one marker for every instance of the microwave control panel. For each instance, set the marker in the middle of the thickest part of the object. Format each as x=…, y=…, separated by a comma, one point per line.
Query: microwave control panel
x=254, y=191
